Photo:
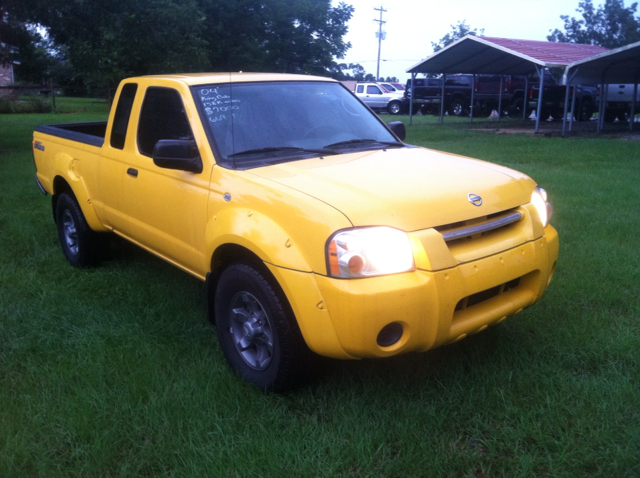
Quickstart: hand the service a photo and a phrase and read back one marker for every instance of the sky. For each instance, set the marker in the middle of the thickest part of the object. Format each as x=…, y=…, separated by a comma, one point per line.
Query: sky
x=412, y=25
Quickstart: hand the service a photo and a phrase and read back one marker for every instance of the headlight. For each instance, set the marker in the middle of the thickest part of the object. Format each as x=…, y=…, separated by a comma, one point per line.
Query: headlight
x=539, y=200
x=370, y=251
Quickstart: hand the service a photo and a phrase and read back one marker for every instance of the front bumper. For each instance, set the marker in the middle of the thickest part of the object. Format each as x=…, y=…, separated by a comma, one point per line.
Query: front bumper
x=432, y=308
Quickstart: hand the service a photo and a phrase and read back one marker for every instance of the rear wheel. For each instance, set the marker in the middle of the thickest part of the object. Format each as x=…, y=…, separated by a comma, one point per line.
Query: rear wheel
x=544, y=113
x=586, y=110
x=515, y=109
x=394, y=108
x=257, y=331
x=456, y=108
x=81, y=246
x=610, y=115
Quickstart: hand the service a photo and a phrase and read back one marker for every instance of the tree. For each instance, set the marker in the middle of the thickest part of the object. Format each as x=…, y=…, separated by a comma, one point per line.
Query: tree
x=35, y=59
x=111, y=39
x=108, y=40
x=285, y=36
x=610, y=26
x=460, y=30
x=14, y=36
x=344, y=71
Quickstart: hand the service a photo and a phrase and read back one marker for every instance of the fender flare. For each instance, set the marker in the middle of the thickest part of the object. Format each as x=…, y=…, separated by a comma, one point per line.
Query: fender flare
x=65, y=178
x=257, y=233
x=262, y=238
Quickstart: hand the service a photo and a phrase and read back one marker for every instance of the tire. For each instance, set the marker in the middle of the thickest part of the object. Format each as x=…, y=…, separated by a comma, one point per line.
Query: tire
x=456, y=108
x=515, y=108
x=586, y=110
x=481, y=109
x=545, y=112
x=610, y=115
x=81, y=246
x=257, y=331
x=394, y=107
x=428, y=110
x=623, y=115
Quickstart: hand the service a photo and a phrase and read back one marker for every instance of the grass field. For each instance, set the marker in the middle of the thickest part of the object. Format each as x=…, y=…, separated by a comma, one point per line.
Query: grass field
x=116, y=372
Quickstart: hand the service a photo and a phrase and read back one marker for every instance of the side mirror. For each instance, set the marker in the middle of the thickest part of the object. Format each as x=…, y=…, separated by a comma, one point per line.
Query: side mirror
x=178, y=154
x=397, y=128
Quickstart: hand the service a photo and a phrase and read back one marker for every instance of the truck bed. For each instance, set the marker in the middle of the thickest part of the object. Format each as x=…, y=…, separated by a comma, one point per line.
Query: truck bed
x=88, y=133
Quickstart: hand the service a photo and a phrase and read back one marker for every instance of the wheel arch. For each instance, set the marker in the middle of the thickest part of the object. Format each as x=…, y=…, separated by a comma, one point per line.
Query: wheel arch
x=284, y=235
x=223, y=257
x=243, y=235
x=62, y=185
x=299, y=289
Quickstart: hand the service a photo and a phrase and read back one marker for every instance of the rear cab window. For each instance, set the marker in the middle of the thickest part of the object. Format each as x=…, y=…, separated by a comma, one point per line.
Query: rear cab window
x=122, y=115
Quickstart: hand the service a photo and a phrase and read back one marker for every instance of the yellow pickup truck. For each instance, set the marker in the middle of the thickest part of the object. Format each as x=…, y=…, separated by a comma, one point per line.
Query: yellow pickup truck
x=314, y=227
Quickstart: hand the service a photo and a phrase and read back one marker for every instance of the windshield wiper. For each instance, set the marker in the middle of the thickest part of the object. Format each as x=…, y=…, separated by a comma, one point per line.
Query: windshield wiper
x=356, y=142
x=281, y=149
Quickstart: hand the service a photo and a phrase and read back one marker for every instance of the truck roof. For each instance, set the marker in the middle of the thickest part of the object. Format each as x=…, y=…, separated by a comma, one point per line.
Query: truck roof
x=235, y=77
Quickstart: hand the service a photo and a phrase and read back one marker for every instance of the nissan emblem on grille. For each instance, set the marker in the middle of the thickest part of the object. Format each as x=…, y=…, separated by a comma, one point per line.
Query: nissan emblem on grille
x=474, y=199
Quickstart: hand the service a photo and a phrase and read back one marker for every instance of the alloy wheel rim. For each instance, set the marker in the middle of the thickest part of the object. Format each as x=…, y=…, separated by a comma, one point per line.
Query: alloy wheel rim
x=70, y=232
x=251, y=331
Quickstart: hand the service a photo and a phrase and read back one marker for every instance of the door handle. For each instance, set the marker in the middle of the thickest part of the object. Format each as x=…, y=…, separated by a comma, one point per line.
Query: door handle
x=132, y=172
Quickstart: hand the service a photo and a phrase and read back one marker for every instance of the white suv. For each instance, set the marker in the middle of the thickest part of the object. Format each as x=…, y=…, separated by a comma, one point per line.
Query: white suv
x=378, y=98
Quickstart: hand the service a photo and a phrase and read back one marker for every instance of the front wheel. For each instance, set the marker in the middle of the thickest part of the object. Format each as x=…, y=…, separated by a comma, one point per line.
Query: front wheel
x=81, y=246
x=257, y=331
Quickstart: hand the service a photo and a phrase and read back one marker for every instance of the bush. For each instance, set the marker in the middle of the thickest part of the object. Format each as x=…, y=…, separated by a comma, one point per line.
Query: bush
x=22, y=104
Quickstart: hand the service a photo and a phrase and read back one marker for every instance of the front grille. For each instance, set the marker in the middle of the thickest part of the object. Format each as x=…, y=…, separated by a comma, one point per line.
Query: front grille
x=487, y=294
x=467, y=230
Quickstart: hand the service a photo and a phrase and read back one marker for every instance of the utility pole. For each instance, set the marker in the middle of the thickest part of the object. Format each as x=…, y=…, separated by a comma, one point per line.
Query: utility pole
x=381, y=36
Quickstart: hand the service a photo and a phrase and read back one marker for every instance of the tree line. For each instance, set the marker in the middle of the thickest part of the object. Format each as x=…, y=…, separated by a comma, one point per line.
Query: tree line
x=100, y=42
x=96, y=43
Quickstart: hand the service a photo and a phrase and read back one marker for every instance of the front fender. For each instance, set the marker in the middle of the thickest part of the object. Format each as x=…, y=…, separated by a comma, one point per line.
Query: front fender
x=257, y=233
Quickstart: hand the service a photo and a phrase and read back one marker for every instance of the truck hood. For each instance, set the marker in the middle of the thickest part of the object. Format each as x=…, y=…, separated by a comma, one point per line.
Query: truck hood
x=409, y=188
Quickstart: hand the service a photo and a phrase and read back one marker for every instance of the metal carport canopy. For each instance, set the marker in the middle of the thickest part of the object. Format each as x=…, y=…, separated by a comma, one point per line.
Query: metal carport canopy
x=621, y=65
x=503, y=56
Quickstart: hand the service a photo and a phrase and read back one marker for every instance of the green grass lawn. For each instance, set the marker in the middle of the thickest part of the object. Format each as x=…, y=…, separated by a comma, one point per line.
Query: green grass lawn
x=115, y=371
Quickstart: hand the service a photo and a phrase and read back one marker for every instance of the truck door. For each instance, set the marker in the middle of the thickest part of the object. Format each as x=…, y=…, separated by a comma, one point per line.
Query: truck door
x=117, y=146
x=374, y=97
x=163, y=210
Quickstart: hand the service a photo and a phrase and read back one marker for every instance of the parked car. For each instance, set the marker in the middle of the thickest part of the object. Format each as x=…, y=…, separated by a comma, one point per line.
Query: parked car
x=554, y=95
x=486, y=95
x=313, y=226
x=428, y=95
x=377, y=98
x=487, y=91
x=392, y=89
x=618, y=102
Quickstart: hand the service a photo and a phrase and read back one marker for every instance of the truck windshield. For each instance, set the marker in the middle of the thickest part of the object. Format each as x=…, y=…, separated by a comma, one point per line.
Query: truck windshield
x=256, y=124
